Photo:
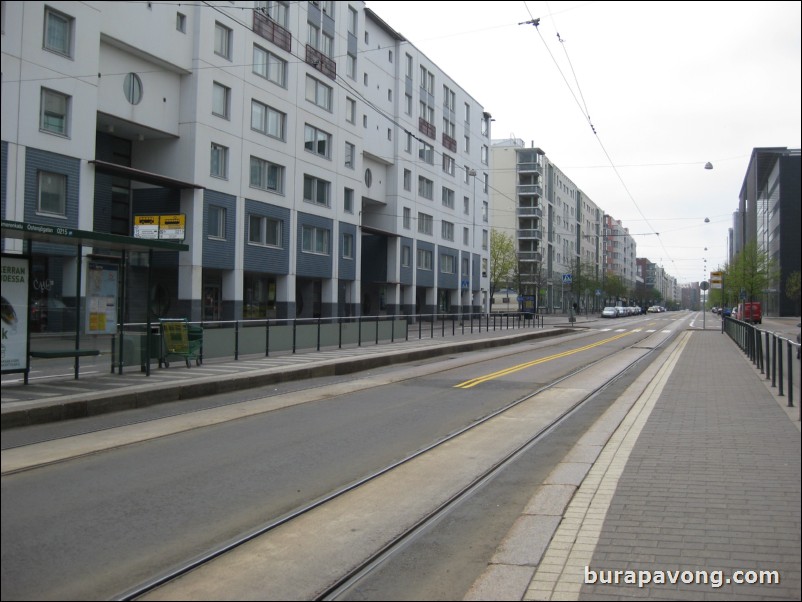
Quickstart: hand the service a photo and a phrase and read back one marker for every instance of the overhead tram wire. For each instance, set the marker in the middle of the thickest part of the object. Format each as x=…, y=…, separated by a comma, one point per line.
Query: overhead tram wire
x=536, y=23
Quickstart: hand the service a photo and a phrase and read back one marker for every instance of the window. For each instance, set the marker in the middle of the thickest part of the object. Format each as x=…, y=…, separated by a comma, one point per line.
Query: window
x=467, y=113
x=221, y=101
x=271, y=67
x=447, y=230
x=316, y=191
x=181, y=22
x=408, y=63
x=277, y=11
x=466, y=205
x=447, y=264
x=222, y=41
x=408, y=180
x=264, y=231
x=408, y=104
x=449, y=129
x=219, y=161
x=466, y=266
x=267, y=176
x=315, y=240
x=317, y=141
x=426, y=153
x=267, y=120
x=449, y=165
x=424, y=259
x=427, y=80
x=484, y=154
x=350, y=110
x=353, y=20
x=350, y=65
x=425, y=223
x=425, y=188
x=408, y=143
x=54, y=112
x=467, y=144
x=449, y=99
x=407, y=218
x=466, y=236
x=58, y=32
x=216, y=227
x=318, y=93
x=448, y=198
x=132, y=88
x=348, y=201
x=348, y=246
x=484, y=211
x=406, y=256
x=52, y=193
x=484, y=240
x=350, y=155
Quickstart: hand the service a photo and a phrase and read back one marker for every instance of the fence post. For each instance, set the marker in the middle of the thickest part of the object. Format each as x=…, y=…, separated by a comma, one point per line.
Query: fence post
x=780, y=367
x=768, y=357
x=790, y=375
x=377, y=329
x=267, y=338
x=236, y=340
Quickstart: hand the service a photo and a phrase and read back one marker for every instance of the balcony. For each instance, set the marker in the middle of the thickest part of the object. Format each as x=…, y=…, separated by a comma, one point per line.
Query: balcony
x=530, y=234
x=270, y=30
x=530, y=189
x=427, y=129
x=530, y=212
x=321, y=62
x=449, y=143
x=530, y=168
x=530, y=256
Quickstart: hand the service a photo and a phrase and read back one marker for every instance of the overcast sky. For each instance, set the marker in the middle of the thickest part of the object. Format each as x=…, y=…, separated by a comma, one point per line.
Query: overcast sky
x=667, y=86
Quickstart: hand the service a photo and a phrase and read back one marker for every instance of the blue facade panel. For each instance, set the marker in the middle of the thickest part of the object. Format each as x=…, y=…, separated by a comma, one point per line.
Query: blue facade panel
x=314, y=265
x=444, y=279
x=261, y=258
x=219, y=253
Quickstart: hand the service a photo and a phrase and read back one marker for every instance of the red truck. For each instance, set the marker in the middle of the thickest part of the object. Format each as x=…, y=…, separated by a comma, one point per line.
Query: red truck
x=750, y=312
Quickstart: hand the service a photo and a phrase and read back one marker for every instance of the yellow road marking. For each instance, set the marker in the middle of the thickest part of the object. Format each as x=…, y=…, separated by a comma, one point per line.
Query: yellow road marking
x=481, y=379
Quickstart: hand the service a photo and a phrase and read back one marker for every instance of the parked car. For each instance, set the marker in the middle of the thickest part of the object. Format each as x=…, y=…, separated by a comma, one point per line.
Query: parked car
x=726, y=312
x=609, y=312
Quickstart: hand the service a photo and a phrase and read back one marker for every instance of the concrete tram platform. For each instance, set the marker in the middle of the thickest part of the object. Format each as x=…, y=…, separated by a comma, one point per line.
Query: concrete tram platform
x=688, y=488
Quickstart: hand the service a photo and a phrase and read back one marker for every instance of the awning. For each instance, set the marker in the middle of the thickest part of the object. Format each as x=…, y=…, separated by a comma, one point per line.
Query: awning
x=141, y=176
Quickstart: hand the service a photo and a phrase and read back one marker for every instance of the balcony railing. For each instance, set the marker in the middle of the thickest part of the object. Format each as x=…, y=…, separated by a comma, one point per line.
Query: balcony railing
x=449, y=143
x=321, y=62
x=530, y=212
x=528, y=189
x=270, y=30
x=427, y=129
x=530, y=168
x=530, y=256
x=531, y=233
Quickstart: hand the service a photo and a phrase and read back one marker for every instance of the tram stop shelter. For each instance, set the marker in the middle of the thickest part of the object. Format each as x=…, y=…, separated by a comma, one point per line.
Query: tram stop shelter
x=102, y=295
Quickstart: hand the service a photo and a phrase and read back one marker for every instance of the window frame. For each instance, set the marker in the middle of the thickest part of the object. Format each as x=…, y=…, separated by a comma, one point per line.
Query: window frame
x=60, y=194
x=275, y=67
x=218, y=88
x=314, y=237
x=265, y=168
x=220, y=220
x=267, y=113
x=67, y=49
x=313, y=137
x=45, y=94
x=267, y=225
x=425, y=224
x=315, y=87
x=222, y=152
x=225, y=37
x=312, y=183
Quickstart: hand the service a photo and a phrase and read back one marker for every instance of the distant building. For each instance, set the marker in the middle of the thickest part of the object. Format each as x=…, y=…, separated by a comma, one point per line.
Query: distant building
x=769, y=213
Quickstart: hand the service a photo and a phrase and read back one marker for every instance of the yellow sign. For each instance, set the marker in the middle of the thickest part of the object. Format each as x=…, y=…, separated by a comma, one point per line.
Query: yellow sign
x=716, y=279
x=161, y=227
x=171, y=227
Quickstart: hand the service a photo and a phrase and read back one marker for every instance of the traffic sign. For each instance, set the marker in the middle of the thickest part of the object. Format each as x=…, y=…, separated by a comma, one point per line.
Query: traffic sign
x=567, y=278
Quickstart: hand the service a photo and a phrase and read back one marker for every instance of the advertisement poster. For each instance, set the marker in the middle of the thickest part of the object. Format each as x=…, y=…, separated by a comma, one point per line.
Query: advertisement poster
x=101, y=298
x=14, y=314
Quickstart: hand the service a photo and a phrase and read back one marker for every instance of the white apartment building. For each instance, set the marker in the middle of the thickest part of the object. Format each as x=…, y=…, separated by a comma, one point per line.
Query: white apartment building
x=323, y=164
x=556, y=226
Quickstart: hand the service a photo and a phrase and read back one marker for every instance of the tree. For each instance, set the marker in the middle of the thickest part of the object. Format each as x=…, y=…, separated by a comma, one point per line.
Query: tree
x=753, y=271
x=503, y=260
x=792, y=288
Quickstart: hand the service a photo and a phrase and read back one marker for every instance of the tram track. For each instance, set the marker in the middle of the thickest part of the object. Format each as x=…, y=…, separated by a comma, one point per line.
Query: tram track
x=331, y=586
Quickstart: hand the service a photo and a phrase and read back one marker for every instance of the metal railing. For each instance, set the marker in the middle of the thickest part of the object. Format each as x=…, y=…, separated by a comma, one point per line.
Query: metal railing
x=765, y=350
x=236, y=338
